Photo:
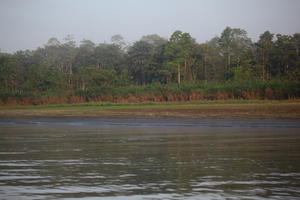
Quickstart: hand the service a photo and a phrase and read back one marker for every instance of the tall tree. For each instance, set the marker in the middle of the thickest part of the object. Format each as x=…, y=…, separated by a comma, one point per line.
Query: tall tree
x=283, y=55
x=234, y=44
x=178, y=54
x=10, y=74
x=85, y=55
x=119, y=41
x=140, y=58
x=109, y=56
x=296, y=44
x=265, y=46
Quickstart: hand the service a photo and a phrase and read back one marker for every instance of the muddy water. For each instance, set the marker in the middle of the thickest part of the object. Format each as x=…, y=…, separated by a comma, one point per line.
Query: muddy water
x=149, y=159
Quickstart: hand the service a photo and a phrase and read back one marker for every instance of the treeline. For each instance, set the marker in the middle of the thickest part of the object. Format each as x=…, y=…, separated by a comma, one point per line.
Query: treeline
x=159, y=69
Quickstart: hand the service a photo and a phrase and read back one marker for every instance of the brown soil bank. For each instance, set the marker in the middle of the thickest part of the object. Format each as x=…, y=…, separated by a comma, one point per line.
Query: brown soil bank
x=266, y=94
x=222, y=111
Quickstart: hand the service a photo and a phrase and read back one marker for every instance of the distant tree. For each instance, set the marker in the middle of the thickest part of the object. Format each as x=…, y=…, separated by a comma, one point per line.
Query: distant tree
x=93, y=77
x=265, y=47
x=85, y=55
x=119, y=41
x=155, y=40
x=10, y=74
x=234, y=44
x=156, y=72
x=53, y=42
x=295, y=74
x=282, y=55
x=296, y=41
x=109, y=56
x=87, y=44
x=214, y=60
x=178, y=53
x=140, y=57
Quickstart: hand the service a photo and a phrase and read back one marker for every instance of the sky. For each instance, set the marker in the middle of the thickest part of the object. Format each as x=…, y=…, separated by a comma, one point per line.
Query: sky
x=28, y=24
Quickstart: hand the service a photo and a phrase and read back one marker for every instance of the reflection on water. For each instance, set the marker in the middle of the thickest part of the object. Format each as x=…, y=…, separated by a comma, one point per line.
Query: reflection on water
x=149, y=159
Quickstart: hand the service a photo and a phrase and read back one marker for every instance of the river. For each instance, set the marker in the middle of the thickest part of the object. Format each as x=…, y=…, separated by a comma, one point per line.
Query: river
x=167, y=158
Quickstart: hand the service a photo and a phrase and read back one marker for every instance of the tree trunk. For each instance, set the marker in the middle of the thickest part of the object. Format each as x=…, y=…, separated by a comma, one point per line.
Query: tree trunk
x=263, y=65
x=192, y=70
x=228, y=59
x=70, y=69
x=270, y=72
x=204, y=66
x=61, y=67
x=178, y=74
x=185, y=70
x=82, y=84
x=70, y=74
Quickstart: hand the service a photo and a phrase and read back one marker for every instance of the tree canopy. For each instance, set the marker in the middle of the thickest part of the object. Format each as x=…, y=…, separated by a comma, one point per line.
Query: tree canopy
x=66, y=67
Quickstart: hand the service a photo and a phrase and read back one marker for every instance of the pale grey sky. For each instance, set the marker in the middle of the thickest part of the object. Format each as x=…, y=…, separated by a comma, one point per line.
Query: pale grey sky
x=27, y=24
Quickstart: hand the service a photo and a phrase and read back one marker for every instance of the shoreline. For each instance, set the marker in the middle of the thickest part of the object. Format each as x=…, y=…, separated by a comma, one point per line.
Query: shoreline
x=243, y=111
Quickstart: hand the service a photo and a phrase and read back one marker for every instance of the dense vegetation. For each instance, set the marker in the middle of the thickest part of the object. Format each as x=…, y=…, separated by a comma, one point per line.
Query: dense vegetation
x=154, y=69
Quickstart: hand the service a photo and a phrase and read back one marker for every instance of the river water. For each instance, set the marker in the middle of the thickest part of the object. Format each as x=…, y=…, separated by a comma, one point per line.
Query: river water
x=117, y=158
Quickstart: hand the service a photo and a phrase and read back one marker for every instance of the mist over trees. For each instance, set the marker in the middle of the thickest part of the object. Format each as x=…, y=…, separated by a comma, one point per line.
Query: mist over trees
x=63, y=68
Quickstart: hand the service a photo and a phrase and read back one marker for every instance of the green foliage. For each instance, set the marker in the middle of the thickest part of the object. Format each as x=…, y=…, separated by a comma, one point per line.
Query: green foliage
x=229, y=66
x=241, y=73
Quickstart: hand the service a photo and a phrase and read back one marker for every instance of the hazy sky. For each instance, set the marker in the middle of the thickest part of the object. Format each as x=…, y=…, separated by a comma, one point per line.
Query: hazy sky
x=27, y=24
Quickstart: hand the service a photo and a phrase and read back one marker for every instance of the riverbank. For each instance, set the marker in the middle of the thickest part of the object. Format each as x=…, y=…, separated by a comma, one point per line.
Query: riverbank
x=209, y=109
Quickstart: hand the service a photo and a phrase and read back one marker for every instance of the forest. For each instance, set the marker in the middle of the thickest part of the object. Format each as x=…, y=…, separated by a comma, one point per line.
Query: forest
x=153, y=68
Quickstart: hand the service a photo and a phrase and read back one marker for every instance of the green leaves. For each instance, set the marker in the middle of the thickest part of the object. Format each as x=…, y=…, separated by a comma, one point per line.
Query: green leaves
x=64, y=67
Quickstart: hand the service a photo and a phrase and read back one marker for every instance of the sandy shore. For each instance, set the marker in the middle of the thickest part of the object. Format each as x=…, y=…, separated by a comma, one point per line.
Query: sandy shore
x=264, y=112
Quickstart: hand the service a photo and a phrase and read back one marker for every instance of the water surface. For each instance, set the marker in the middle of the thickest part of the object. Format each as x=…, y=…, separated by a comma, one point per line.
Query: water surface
x=115, y=158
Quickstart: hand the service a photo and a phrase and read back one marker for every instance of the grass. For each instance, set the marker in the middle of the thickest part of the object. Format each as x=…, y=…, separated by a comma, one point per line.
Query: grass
x=155, y=105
